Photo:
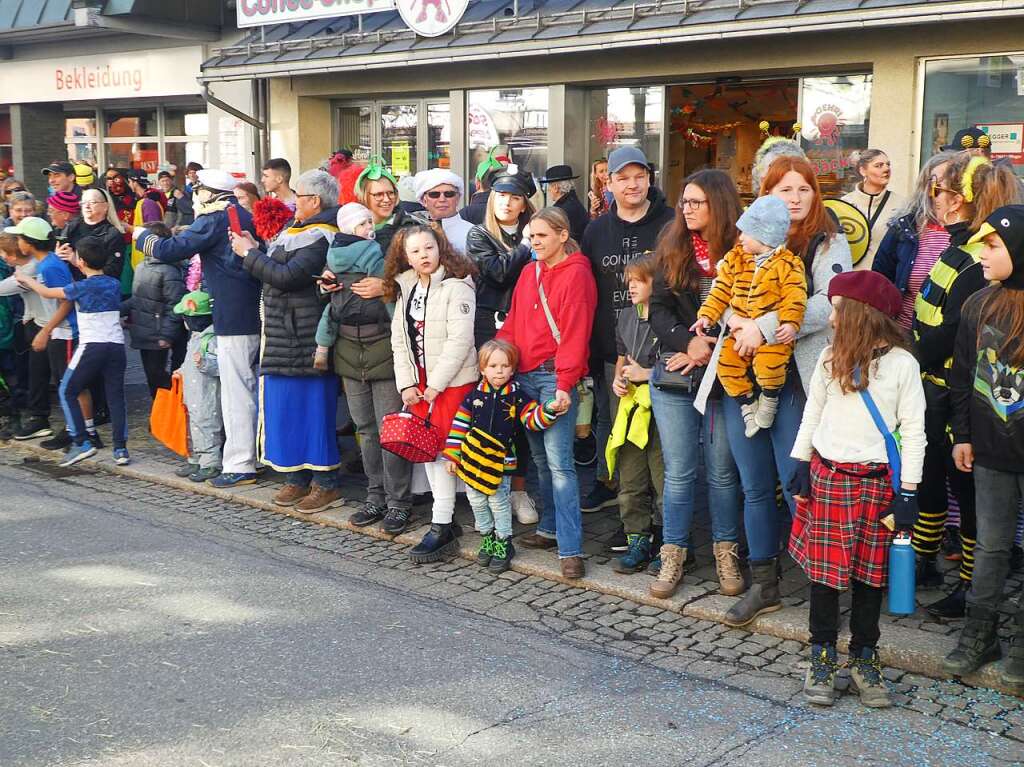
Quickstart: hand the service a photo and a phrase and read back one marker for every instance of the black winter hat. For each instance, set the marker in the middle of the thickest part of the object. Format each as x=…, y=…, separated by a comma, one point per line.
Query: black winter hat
x=1008, y=223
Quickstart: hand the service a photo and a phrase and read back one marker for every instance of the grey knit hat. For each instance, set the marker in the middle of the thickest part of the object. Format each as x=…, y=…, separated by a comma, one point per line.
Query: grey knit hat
x=772, y=149
x=766, y=220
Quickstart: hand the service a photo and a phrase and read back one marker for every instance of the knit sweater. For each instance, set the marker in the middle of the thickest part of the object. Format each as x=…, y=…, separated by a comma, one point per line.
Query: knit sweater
x=839, y=427
x=481, y=440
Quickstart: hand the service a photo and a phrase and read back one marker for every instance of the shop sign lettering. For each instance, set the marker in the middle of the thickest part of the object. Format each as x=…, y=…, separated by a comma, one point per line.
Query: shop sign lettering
x=255, y=13
x=85, y=78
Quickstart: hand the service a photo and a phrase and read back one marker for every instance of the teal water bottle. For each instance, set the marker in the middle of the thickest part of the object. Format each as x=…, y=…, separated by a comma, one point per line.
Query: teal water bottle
x=901, y=576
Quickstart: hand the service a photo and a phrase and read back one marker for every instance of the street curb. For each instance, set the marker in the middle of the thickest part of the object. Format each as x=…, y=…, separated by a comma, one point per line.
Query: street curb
x=899, y=647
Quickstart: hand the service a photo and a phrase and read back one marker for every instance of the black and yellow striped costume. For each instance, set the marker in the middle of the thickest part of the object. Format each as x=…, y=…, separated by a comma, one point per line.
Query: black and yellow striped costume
x=752, y=289
x=481, y=440
x=955, y=277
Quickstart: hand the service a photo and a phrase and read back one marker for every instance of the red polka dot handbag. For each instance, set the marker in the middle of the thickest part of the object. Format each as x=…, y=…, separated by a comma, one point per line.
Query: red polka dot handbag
x=413, y=438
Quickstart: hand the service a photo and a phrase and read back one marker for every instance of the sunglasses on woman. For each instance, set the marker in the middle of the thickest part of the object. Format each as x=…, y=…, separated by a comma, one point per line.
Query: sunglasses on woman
x=16, y=189
x=936, y=190
x=434, y=195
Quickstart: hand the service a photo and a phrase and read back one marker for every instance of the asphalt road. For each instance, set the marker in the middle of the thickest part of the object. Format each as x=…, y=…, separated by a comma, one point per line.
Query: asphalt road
x=133, y=635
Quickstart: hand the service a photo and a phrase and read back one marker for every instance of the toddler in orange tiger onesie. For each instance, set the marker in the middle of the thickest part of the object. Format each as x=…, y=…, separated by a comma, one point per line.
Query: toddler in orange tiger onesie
x=758, y=276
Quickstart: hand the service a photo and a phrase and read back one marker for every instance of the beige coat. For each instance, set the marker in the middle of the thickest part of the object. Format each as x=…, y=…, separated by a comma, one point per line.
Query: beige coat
x=447, y=334
x=868, y=205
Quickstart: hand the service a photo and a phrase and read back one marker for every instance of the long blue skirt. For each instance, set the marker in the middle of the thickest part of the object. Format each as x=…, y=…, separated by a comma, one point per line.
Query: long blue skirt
x=297, y=422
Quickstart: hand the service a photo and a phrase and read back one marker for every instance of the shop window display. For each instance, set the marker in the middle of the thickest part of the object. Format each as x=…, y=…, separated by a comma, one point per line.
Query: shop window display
x=834, y=119
x=399, y=124
x=627, y=117
x=439, y=135
x=982, y=91
x=515, y=119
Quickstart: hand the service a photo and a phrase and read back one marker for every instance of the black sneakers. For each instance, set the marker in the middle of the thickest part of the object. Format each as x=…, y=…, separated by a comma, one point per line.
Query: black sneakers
x=502, y=552
x=396, y=520
x=33, y=427
x=367, y=515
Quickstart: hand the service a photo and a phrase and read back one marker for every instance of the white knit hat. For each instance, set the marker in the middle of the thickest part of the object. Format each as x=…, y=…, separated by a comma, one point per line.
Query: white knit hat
x=220, y=180
x=429, y=179
x=351, y=215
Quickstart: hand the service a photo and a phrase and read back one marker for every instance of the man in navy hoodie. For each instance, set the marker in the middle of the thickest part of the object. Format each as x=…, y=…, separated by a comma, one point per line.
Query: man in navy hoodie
x=628, y=231
x=236, y=321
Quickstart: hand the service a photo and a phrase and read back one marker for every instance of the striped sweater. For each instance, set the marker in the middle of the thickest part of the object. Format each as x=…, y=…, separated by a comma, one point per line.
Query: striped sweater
x=483, y=430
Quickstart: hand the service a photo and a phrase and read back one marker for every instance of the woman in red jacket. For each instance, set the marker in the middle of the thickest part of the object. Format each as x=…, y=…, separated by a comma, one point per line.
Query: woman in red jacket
x=550, y=321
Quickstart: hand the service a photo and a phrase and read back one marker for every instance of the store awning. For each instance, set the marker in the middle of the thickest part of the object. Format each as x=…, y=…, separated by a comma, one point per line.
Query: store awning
x=506, y=28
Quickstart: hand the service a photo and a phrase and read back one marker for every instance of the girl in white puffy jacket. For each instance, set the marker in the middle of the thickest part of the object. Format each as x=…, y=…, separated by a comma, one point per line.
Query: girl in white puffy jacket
x=435, y=359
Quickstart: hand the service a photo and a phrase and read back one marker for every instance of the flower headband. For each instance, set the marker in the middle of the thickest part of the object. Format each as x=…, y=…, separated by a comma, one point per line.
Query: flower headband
x=374, y=171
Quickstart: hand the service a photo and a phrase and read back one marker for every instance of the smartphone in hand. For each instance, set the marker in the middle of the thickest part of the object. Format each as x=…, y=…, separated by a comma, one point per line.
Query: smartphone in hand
x=233, y=221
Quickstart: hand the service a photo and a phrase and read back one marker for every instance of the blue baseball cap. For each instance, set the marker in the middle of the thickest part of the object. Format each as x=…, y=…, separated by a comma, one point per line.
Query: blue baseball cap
x=627, y=155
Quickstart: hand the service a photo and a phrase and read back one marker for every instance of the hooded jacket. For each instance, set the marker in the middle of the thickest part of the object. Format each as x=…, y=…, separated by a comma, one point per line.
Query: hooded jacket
x=235, y=292
x=447, y=333
x=572, y=297
x=610, y=244
x=359, y=329
x=156, y=289
x=291, y=302
x=987, y=392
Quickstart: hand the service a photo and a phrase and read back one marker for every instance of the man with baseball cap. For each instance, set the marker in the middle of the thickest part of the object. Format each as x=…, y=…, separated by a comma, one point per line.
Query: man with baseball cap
x=627, y=232
x=236, y=322
x=973, y=140
x=60, y=175
x=439, y=191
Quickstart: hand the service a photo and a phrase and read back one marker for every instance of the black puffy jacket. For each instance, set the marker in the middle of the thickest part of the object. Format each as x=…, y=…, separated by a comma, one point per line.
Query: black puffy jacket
x=157, y=287
x=291, y=303
x=499, y=265
x=113, y=242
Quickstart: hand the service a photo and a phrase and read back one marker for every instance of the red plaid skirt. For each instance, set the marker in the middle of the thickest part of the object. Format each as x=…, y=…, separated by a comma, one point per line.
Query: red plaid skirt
x=837, y=535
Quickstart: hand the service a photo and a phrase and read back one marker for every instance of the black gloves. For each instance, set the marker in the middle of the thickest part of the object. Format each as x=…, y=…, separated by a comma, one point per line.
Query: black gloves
x=903, y=509
x=800, y=483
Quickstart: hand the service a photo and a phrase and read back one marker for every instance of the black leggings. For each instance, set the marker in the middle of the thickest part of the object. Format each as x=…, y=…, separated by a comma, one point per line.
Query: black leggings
x=864, y=614
x=154, y=363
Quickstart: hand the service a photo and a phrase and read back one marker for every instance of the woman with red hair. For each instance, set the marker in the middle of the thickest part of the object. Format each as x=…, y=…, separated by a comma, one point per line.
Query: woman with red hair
x=782, y=170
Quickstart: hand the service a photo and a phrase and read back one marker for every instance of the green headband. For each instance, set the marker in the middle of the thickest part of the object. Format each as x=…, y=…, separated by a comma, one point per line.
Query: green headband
x=488, y=164
x=374, y=171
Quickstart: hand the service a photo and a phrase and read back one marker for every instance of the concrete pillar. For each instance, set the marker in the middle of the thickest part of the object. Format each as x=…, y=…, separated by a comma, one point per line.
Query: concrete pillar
x=37, y=134
x=567, y=131
x=457, y=105
x=316, y=133
x=893, y=115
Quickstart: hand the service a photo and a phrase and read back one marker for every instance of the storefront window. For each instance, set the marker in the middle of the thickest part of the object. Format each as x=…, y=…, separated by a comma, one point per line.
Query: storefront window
x=355, y=127
x=120, y=124
x=80, y=136
x=6, y=148
x=983, y=91
x=627, y=117
x=178, y=154
x=439, y=135
x=185, y=122
x=516, y=120
x=834, y=119
x=141, y=156
x=399, y=123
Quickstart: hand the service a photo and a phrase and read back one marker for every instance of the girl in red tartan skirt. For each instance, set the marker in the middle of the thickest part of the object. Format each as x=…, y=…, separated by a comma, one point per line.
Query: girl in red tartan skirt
x=843, y=483
x=435, y=360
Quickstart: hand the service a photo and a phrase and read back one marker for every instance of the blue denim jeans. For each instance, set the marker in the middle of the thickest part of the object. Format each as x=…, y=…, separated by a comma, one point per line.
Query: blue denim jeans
x=328, y=480
x=556, y=466
x=762, y=461
x=681, y=427
x=493, y=512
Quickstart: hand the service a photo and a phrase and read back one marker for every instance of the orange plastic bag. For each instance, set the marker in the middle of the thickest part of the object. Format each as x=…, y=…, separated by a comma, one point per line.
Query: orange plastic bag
x=168, y=420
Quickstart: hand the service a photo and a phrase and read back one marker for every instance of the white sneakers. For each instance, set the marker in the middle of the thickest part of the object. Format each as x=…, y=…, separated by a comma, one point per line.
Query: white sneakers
x=523, y=508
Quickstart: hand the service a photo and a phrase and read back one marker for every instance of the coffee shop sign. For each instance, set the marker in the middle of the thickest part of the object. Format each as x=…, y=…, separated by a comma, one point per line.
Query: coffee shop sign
x=255, y=13
x=428, y=18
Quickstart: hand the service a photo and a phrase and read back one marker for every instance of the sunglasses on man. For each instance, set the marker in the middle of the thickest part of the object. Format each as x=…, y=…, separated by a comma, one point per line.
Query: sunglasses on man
x=435, y=195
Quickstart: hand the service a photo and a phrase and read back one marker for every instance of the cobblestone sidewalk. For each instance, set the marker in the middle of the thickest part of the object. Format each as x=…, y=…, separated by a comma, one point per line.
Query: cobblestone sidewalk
x=624, y=628
x=916, y=642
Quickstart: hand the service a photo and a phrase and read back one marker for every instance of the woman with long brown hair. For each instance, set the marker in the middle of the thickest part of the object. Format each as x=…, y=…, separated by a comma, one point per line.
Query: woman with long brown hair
x=764, y=459
x=703, y=230
x=987, y=388
x=966, y=193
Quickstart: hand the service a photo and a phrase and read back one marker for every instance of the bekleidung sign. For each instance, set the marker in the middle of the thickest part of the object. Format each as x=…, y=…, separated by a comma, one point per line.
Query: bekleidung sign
x=256, y=13
x=158, y=72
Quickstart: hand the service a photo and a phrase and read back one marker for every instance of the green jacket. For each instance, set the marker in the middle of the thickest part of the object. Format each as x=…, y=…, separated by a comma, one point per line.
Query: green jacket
x=633, y=423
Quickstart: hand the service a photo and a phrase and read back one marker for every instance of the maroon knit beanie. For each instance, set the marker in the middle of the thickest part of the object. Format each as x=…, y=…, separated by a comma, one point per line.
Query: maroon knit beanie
x=869, y=288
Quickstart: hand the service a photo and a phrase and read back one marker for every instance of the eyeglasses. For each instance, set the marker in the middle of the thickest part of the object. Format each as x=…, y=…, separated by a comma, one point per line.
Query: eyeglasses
x=378, y=196
x=692, y=204
x=307, y=195
x=16, y=189
x=434, y=195
x=936, y=189
x=90, y=203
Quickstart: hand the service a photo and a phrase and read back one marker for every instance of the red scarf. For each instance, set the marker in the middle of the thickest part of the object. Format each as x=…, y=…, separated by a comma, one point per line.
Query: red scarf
x=701, y=255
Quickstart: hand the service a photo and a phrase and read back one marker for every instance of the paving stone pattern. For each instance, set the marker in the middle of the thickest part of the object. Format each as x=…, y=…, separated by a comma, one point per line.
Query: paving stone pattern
x=624, y=629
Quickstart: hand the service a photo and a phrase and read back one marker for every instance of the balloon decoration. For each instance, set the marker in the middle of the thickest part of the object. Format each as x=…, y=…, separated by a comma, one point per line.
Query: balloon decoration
x=854, y=225
x=605, y=132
